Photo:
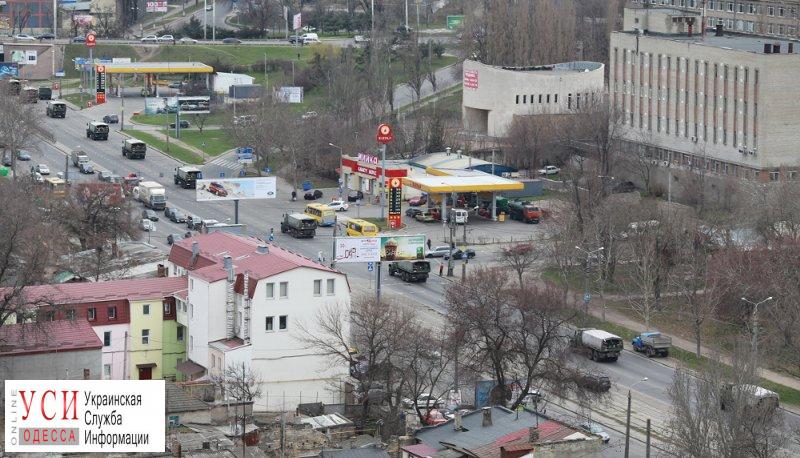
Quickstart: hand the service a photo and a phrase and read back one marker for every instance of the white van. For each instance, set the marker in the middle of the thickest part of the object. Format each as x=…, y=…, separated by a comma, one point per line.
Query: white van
x=752, y=396
x=459, y=215
x=310, y=38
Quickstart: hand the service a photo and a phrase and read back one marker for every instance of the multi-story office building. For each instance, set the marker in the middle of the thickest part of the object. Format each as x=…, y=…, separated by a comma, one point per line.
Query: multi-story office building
x=720, y=102
x=760, y=17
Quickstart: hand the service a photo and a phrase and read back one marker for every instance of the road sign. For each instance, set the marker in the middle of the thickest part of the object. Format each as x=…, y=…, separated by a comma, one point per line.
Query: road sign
x=88, y=104
x=91, y=40
x=101, y=69
x=587, y=297
x=222, y=174
x=385, y=134
x=370, y=266
x=244, y=155
x=60, y=73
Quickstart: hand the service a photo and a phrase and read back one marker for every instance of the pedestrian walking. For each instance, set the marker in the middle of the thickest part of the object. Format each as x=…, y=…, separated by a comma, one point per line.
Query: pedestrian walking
x=429, y=244
x=320, y=257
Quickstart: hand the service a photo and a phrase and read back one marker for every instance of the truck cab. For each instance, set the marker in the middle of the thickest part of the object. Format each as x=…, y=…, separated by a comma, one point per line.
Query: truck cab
x=187, y=176
x=411, y=271
x=97, y=130
x=134, y=149
x=78, y=158
x=525, y=212
x=56, y=109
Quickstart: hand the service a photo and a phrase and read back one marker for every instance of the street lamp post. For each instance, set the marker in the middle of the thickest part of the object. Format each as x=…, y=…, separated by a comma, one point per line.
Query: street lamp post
x=586, y=296
x=754, y=331
x=628, y=419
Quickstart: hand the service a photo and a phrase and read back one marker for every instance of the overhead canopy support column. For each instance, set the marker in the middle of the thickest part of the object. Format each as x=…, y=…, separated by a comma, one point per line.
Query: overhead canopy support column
x=494, y=206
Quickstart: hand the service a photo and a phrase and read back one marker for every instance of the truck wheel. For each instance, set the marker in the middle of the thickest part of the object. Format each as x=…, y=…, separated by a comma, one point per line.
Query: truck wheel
x=614, y=359
x=649, y=351
x=665, y=353
x=593, y=355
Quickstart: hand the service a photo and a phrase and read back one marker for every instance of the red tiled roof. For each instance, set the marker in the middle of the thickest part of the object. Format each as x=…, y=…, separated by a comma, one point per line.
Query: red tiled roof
x=47, y=337
x=242, y=250
x=133, y=289
x=420, y=450
x=549, y=431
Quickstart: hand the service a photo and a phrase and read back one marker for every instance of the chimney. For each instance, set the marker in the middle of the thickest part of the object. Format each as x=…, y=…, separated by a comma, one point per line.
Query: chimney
x=487, y=417
x=262, y=249
x=533, y=435
x=767, y=48
x=227, y=263
x=195, y=253
x=791, y=48
x=776, y=48
x=162, y=271
x=719, y=32
x=457, y=421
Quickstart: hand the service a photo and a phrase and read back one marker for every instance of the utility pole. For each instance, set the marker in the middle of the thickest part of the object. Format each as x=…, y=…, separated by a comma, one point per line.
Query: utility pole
x=333, y=248
x=378, y=282
x=213, y=20
x=372, y=16
x=647, y=447
x=628, y=419
x=406, y=3
x=382, y=183
x=205, y=19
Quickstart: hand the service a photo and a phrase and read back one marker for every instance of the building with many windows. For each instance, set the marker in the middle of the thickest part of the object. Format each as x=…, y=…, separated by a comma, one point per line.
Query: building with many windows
x=759, y=17
x=247, y=303
x=720, y=102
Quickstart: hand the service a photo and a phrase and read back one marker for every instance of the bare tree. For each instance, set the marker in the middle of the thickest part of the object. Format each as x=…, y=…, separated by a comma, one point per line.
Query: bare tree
x=700, y=427
x=21, y=126
x=97, y=214
x=520, y=258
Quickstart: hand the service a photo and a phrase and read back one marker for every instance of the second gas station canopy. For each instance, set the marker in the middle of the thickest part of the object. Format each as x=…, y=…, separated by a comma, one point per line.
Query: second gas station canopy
x=461, y=181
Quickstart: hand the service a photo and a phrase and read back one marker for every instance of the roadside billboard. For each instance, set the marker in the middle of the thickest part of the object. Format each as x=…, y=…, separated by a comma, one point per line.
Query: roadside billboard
x=9, y=69
x=381, y=248
x=194, y=105
x=236, y=189
x=156, y=7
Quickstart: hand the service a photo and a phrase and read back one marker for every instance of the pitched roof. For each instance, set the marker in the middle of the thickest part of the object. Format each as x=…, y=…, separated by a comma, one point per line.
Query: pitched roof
x=48, y=337
x=420, y=450
x=133, y=289
x=181, y=401
x=212, y=248
x=549, y=431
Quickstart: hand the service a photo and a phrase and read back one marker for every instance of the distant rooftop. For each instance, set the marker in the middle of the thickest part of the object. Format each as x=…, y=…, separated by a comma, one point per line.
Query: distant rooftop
x=47, y=337
x=746, y=43
x=82, y=293
x=564, y=67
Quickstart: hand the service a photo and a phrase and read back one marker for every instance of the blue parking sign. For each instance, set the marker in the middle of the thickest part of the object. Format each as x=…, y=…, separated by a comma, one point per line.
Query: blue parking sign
x=370, y=266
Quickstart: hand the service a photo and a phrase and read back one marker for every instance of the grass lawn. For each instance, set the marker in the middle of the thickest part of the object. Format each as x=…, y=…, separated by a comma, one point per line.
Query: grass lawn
x=215, y=119
x=216, y=142
x=77, y=99
x=173, y=150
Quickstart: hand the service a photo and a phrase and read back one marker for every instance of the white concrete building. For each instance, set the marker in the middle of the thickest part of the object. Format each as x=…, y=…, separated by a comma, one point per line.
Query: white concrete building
x=493, y=95
x=723, y=103
x=245, y=304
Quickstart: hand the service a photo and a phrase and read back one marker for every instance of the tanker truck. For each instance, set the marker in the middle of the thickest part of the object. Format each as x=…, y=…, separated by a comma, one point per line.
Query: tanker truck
x=599, y=345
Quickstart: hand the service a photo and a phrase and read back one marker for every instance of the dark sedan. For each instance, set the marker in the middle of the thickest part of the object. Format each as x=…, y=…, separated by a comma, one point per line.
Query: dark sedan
x=176, y=216
x=111, y=119
x=469, y=253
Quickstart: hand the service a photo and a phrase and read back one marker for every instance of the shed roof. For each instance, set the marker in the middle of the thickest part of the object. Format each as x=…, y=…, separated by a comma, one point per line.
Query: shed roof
x=181, y=401
x=47, y=337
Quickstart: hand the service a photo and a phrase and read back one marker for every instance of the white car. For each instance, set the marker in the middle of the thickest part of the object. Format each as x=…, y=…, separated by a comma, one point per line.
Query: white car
x=210, y=8
x=24, y=37
x=426, y=400
x=597, y=430
x=187, y=41
x=43, y=169
x=339, y=205
x=166, y=39
x=37, y=177
x=147, y=225
x=361, y=39
x=438, y=252
x=549, y=170
x=150, y=39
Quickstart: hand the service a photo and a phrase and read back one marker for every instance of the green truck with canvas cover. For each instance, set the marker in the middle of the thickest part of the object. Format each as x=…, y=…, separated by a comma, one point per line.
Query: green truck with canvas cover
x=299, y=225
x=411, y=271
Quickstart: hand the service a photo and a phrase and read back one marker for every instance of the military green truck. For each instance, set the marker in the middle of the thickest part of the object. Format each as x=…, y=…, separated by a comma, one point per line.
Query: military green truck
x=134, y=149
x=411, y=271
x=299, y=225
x=187, y=176
x=97, y=130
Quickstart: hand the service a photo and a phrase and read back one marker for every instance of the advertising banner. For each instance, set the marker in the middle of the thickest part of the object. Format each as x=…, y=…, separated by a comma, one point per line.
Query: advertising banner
x=79, y=416
x=297, y=21
x=156, y=7
x=236, y=189
x=381, y=248
x=395, y=203
x=471, y=79
x=402, y=247
x=454, y=22
x=9, y=69
x=358, y=249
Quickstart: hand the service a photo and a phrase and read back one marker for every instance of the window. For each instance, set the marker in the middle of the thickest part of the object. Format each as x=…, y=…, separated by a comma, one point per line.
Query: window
x=107, y=338
x=771, y=10
x=191, y=284
x=548, y=98
x=146, y=309
x=781, y=11
x=213, y=361
x=191, y=310
x=331, y=286
x=191, y=343
x=284, y=289
x=107, y=370
x=525, y=98
x=91, y=314
x=569, y=101
x=317, y=287
x=269, y=325
x=112, y=313
x=167, y=308
x=145, y=336
x=774, y=176
x=283, y=321
x=517, y=99
x=555, y=98
x=180, y=334
x=71, y=314
x=540, y=98
x=270, y=290
x=792, y=174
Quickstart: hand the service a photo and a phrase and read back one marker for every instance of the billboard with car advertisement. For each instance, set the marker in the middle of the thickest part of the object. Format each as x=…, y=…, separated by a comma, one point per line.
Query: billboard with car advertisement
x=236, y=189
x=381, y=248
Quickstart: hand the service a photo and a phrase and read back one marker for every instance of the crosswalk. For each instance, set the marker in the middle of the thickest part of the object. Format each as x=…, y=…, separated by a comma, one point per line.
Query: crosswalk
x=228, y=162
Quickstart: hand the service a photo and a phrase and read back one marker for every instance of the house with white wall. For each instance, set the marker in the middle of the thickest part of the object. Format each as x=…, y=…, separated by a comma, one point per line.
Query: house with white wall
x=245, y=303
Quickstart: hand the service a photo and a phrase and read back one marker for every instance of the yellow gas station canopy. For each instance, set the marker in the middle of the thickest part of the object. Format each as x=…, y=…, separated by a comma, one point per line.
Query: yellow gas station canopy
x=157, y=67
x=473, y=182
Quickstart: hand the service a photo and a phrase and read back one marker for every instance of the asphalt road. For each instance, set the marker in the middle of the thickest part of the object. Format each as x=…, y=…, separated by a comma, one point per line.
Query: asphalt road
x=650, y=399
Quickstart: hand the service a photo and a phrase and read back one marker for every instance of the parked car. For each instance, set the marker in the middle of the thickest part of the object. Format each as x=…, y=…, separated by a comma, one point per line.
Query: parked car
x=418, y=200
x=24, y=37
x=168, y=210
x=79, y=39
x=86, y=168
x=296, y=39
x=184, y=124
x=150, y=39
x=309, y=115
x=458, y=253
x=187, y=41
x=313, y=195
x=166, y=39
x=46, y=36
x=210, y=7
x=104, y=175
x=549, y=170
x=23, y=155
x=172, y=238
x=355, y=196
x=424, y=401
x=42, y=168
x=338, y=205
x=437, y=252
x=193, y=222
x=231, y=41
x=597, y=430
x=147, y=225
x=111, y=119
x=427, y=217
x=177, y=216
x=150, y=214
x=7, y=160
x=413, y=212
x=361, y=39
